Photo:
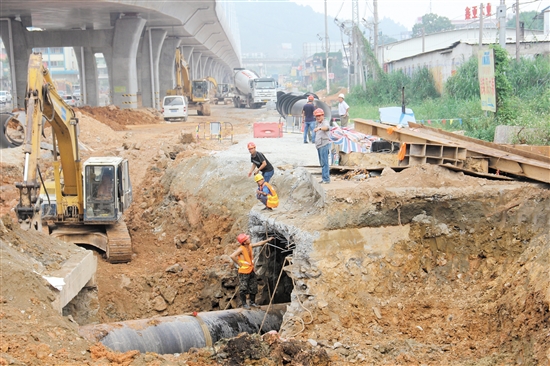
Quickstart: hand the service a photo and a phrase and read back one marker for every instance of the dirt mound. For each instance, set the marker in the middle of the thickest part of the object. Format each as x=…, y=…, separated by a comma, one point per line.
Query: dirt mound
x=269, y=349
x=331, y=99
x=117, y=118
x=426, y=176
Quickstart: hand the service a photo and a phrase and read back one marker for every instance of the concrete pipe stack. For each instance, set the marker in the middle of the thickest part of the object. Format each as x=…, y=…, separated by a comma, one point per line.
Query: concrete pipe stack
x=291, y=104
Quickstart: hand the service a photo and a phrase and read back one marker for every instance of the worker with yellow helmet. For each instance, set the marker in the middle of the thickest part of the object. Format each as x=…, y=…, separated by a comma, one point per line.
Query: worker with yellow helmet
x=266, y=193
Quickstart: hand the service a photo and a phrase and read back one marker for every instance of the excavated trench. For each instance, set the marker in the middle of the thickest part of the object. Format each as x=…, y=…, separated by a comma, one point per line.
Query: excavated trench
x=412, y=270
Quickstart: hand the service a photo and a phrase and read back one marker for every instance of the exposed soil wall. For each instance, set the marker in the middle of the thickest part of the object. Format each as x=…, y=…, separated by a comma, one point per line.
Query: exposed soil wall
x=464, y=277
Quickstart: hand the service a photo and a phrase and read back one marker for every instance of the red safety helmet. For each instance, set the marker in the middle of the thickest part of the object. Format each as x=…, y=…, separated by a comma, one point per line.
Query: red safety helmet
x=318, y=112
x=242, y=238
x=251, y=145
x=310, y=97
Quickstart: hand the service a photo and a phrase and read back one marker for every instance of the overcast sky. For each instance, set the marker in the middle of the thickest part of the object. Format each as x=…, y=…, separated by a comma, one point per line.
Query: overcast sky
x=406, y=12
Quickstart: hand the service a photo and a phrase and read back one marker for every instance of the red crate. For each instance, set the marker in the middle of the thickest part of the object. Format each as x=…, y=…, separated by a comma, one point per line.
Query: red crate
x=268, y=129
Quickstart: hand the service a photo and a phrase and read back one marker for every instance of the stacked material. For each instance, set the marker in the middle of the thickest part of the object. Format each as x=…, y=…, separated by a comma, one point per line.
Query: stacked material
x=291, y=104
x=350, y=140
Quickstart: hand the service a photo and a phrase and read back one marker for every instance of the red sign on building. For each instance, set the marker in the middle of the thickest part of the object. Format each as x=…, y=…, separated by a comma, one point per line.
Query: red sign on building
x=471, y=13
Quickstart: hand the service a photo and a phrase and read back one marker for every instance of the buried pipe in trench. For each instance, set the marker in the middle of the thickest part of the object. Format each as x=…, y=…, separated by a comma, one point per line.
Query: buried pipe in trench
x=177, y=334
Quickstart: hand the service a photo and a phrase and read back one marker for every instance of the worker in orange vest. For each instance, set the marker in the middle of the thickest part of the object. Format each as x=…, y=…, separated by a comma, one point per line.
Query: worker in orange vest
x=266, y=193
x=244, y=258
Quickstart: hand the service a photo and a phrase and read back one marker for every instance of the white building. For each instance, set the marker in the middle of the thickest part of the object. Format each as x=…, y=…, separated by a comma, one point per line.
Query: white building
x=63, y=66
x=444, y=52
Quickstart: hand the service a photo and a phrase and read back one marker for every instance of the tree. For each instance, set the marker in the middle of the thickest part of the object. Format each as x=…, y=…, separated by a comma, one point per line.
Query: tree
x=383, y=39
x=432, y=23
x=528, y=19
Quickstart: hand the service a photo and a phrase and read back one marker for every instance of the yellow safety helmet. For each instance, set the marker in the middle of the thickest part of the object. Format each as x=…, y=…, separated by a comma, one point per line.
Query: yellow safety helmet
x=258, y=177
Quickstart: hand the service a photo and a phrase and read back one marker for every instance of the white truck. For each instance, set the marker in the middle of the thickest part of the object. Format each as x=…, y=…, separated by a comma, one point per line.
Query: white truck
x=251, y=90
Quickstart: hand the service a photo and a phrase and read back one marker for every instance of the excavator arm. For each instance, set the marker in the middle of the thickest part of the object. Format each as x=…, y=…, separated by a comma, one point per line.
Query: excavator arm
x=43, y=103
x=213, y=81
x=183, y=82
x=194, y=90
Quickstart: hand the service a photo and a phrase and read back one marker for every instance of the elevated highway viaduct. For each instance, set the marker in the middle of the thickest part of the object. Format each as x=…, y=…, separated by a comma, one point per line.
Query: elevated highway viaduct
x=137, y=38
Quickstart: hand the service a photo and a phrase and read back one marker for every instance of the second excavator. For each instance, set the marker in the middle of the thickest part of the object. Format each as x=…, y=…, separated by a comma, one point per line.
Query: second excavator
x=196, y=91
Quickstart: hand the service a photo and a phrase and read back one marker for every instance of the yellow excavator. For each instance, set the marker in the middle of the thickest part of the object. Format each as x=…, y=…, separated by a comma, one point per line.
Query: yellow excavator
x=221, y=92
x=84, y=202
x=196, y=91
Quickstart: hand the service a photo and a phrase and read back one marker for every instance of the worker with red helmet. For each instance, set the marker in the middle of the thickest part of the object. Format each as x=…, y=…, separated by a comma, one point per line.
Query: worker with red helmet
x=244, y=258
x=322, y=143
x=260, y=164
x=309, y=119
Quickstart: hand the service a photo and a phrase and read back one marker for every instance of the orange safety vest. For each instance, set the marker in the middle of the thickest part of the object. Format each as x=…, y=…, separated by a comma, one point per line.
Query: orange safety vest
x=272, y=198
x=245, y=260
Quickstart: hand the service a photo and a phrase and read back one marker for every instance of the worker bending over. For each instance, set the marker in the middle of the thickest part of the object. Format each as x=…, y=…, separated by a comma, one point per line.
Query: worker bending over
x=260, y=164
x=266, y=193
x=244, y=258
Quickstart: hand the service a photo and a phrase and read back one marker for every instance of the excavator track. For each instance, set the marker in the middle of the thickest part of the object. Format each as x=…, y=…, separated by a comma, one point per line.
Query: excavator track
x=119, y=245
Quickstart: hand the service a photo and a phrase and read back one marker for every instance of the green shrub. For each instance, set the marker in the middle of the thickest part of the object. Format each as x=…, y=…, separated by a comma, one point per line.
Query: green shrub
x=319, y=84
x=464, y=84
x=422, y=86
x=530, y=77
x=505, y=113
x=523, y=98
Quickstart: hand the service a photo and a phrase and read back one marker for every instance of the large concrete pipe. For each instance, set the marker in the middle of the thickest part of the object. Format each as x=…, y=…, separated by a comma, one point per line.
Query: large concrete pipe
x=177, y=334
x=10, y=124
x=296, y=108
x=291, y=104
x=282, y=103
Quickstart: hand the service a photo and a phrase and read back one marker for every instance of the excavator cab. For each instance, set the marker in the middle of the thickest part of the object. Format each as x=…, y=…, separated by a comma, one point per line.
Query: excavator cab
x=107, y=189
x=200, y=91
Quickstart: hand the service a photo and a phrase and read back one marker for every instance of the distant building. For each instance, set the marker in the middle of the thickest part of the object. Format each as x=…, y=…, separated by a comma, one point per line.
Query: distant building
x=443, y=53
x=63, y=66
x=314, y=66
x=5, y=82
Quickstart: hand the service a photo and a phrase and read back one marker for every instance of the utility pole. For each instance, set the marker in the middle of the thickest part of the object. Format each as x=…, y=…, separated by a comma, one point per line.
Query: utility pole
x=355, y=37
x=423, y=39
x=502, y=24
x=517, y=30
x=375, y=13
x=480, y=26
x=359, y=74
x=326, y=48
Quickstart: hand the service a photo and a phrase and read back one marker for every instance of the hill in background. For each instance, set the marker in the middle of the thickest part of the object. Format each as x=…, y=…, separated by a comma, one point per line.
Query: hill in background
x=280, y=29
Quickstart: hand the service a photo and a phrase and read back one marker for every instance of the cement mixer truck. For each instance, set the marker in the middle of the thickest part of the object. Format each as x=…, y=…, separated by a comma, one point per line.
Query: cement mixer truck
x=251, y=90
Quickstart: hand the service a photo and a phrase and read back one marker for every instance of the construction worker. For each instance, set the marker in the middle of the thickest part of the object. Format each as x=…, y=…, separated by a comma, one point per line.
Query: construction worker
x=343, y=111
x=322, y=143
x=259, y=163
x=308, y=119
x=244, y=258
x=106, y=187
x=266, y=193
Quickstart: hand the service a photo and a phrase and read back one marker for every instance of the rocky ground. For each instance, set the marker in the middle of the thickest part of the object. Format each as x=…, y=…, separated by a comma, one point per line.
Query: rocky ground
x=426, y=266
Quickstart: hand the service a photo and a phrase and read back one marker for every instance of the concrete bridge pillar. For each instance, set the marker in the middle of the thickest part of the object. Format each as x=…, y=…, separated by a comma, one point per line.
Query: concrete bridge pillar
x=187, y=53
x=108, y=55
x=125, y=46
x=196, y=65
x=207, y=71
x=21, y=53
x=167, y=79
x=152, y=42
x=89, y=91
